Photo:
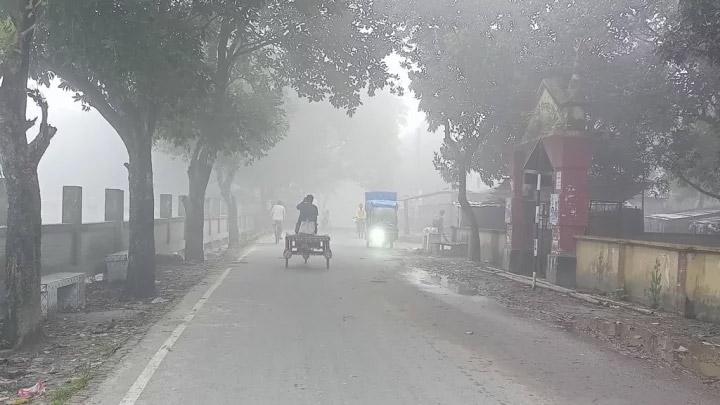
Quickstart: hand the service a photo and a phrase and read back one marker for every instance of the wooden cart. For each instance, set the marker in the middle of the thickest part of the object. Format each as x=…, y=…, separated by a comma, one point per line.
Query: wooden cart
x=306, y=246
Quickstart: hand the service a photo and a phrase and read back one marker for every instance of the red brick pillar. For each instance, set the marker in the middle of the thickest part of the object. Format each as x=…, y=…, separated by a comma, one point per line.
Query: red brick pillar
x=571, y=158
x=519, y=232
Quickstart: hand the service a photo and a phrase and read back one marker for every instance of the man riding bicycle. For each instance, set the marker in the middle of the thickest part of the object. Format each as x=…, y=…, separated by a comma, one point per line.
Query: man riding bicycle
x=277, y=212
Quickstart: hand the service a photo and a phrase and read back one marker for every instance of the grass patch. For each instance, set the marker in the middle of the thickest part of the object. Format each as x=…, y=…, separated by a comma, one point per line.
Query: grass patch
x=63, y=394
x=109, y=349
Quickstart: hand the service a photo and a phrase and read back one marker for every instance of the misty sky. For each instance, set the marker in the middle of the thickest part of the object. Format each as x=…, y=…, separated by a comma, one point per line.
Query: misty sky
x=87, y=152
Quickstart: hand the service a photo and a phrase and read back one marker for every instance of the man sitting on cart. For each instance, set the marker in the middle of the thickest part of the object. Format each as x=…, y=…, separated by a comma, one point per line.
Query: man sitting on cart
x=307, y=220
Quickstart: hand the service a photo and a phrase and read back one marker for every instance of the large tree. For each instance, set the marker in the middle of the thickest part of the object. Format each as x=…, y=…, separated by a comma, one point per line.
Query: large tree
x=476, y=69
x=19, y=157
x=131, y=60
x=251, y=123
x=693, y=33
x=691, y=44
x=324, y=50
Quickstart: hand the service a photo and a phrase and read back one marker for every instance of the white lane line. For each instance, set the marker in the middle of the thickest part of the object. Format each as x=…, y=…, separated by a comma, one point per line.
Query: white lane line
x=144, y=378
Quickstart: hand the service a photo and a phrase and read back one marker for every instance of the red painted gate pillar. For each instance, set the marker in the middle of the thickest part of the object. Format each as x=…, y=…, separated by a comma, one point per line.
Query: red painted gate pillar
x=571, y=157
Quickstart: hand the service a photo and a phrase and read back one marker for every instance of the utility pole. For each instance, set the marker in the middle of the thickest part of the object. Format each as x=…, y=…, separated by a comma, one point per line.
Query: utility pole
x=538, y=230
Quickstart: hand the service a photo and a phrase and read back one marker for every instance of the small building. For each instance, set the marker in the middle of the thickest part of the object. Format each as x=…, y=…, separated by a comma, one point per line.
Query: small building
x=678, y=222
x=489, y=215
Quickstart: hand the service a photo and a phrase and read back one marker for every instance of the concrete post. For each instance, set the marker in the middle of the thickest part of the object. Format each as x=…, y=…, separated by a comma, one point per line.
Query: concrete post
x=114, y=205
x=115, y=212
x=406, y=210
x=72, y=214
x=72, y=205
x=182, y=200
x=208, y=215
x=683, y=305
x=3, y=202
x=166, y=206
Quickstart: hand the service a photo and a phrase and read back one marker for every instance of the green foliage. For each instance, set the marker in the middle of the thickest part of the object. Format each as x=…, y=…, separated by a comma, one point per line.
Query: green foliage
x=63, y=394
x=655, y=291
x=324, y=50
x=479, y=66
x=125, y=58
x=694, y=33
x=691, y=43
x=7, y=36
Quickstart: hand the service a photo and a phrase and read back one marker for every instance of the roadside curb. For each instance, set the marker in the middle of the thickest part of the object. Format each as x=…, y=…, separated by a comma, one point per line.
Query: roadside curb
x=591, y=298
x=124, y=365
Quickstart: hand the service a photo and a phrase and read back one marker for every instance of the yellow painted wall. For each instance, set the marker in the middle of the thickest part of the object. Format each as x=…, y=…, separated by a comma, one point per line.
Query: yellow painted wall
x=640, y=262
x=597, y=265
x=599, y=268
x=702, y=285
x=492, y=246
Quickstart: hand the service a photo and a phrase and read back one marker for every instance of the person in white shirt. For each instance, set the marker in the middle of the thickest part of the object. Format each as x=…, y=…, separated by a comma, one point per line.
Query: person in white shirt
x=277, y=212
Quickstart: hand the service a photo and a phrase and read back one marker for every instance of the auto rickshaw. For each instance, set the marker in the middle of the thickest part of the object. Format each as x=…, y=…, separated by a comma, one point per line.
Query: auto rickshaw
x=382, y=219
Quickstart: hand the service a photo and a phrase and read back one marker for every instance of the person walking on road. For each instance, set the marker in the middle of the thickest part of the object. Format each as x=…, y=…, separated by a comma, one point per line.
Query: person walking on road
x=277, y=213
x=360, y=218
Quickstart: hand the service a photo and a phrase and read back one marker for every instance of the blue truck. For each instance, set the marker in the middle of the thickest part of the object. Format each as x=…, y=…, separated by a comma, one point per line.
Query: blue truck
x=382, y=218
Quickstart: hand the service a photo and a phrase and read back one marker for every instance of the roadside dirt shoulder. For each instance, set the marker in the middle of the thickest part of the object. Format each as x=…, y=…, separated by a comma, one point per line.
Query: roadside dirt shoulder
x=77, y=346
x=687, y=346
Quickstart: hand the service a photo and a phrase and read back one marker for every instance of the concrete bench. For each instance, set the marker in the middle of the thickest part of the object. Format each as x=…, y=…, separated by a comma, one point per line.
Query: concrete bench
x=453, y=248
x=116, y=266
x=62, y=291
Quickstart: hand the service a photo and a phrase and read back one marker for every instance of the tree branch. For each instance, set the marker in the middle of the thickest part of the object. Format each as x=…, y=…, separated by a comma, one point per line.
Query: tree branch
x=39, y=145
x=696, y=186
x=448, y=135
x=99, y=101
x=252, y=47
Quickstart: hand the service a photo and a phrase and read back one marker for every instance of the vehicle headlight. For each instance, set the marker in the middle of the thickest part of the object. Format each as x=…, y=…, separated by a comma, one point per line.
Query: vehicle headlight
x=377, y=236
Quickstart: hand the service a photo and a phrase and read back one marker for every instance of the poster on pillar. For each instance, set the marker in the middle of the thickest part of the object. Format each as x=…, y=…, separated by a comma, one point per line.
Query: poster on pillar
x=555, y=246
x=558, y=180
x=554, y=209
x=508, y=210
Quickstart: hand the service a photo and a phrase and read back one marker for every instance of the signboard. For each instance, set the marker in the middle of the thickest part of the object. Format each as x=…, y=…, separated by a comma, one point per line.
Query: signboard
x=554, y=209
x=558, y=180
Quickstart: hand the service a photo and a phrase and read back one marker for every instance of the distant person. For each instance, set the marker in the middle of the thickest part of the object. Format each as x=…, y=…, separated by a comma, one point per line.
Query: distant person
x=360, y=218
x=307, y=219
x=277, y=214
x=439, y=222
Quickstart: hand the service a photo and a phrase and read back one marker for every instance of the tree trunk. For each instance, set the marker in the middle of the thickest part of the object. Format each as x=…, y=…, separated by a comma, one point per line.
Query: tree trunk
x=474, y=240
x=233, y=226
x=198, y=175
x=225, y=182
x=140, y=281
x=22, y=247
x=19, y=161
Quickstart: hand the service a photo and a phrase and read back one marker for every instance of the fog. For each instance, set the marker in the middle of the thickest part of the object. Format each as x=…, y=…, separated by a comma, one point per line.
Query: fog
x=384, y=145
x=559, y=158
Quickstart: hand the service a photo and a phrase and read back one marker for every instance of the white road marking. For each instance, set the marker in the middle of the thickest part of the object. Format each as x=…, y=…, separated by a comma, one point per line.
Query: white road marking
x=144, y=378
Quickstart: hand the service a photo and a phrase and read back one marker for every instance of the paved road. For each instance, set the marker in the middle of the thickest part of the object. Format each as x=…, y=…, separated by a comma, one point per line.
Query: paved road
x=366, y=333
